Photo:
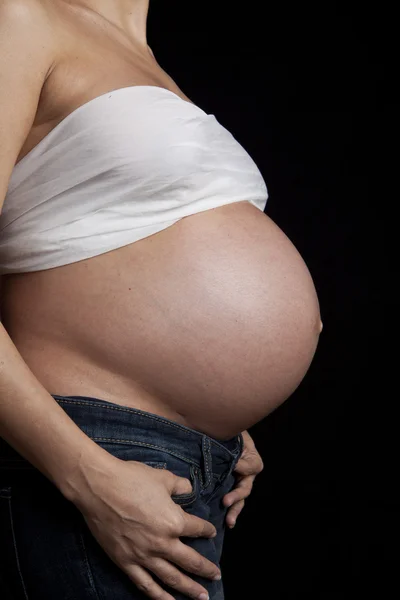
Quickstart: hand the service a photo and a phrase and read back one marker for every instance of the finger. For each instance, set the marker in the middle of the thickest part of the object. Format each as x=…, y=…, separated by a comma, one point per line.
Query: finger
x=234, y=512
x=249, y=445
x=175, y=579
x=186, y=557
x=250, y=464
x=242, y=490
x=180, y=485
x=175, y=484
x=145, y=583
x=197, y=527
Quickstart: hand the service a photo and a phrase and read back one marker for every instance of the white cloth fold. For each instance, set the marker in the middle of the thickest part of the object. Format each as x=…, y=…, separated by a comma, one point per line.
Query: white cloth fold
x=119, y=168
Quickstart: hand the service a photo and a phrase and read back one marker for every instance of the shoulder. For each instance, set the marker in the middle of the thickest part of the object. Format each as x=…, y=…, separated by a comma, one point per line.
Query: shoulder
x=23, y=8
x=29, y=24
x=33, y=13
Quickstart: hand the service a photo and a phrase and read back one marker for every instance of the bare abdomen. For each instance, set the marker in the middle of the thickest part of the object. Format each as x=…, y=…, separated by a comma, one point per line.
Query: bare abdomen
x=212, y=322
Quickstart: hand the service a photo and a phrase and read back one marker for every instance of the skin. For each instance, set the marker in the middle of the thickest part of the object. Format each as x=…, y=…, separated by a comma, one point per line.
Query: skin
x=215, y=391
x=131, y=16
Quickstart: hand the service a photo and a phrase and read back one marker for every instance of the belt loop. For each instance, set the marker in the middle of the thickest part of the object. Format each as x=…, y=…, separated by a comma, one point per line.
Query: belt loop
x=207, y=460
x=238, y=454
x=241, y=444
x=241, y=448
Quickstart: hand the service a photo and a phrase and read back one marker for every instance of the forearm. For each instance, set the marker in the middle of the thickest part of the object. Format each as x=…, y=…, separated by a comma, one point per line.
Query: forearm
x=34, y=424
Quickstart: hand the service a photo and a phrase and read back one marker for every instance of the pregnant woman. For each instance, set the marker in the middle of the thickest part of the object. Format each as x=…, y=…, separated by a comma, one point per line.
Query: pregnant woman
x=151, y=313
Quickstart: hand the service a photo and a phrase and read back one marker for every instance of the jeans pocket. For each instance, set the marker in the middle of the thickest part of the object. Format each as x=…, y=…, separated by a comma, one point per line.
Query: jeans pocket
x=159, y=458
x=11, y=581
x=156, y=464
x=189, y=498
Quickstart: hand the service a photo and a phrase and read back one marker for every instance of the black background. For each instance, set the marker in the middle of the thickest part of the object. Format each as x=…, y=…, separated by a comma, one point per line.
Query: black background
x=310, y=99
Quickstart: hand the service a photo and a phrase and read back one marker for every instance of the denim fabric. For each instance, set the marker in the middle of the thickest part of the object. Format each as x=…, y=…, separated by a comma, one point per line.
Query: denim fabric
x=47, y=552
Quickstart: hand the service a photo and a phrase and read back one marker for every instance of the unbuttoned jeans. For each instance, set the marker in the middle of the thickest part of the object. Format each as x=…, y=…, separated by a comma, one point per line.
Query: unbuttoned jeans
x=47, y=551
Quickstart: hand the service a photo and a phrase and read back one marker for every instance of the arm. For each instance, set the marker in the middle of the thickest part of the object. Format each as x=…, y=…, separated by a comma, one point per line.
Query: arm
x=30, y=419
x=34, y=424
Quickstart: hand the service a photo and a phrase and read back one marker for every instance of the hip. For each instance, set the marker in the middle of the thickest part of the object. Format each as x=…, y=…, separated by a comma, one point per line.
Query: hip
x=47, y=550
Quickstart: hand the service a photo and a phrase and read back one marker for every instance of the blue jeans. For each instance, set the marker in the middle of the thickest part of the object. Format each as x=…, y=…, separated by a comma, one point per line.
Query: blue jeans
x=47, y=552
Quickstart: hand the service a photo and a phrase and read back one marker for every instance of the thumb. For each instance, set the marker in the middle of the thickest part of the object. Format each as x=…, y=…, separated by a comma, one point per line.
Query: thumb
x=179, y=485
x=248, y=465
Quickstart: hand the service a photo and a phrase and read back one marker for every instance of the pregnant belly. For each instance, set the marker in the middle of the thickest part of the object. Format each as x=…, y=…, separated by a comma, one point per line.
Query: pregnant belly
x=212, y=322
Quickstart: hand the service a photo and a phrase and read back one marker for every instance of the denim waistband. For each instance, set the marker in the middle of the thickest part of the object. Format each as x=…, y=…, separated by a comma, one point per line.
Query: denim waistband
x=105, y=421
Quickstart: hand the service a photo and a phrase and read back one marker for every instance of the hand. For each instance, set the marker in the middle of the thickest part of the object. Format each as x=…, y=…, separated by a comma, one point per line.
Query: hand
x=127, y=506
x=248, y=467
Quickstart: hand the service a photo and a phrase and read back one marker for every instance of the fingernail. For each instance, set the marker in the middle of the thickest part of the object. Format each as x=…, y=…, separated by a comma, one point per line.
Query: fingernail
x=204, y=597
x=217, y=578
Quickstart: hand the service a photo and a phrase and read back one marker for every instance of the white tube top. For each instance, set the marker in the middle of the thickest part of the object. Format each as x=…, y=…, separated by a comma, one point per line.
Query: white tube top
x=119, y=168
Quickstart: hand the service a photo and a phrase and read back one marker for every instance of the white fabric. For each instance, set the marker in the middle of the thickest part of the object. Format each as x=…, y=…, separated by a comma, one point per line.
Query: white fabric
x=119, y=168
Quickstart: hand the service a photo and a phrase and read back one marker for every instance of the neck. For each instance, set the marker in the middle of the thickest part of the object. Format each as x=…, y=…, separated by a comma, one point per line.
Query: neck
x=128, y=15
